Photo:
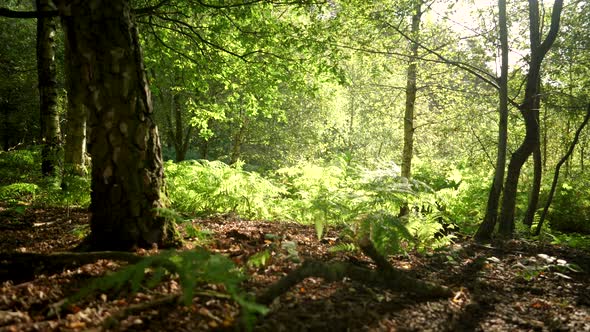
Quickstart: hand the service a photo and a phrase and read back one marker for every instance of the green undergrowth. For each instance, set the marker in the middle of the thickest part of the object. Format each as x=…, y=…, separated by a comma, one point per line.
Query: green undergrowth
x=194, y=269
x=360, y=200
x=574, y=240
x=22, y=184
x=441, y=199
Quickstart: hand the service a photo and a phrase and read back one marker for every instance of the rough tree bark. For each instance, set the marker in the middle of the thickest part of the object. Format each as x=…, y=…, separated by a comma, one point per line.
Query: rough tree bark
x=50, y=132
x=528, y=111
x=485, y=230
x=127, y=169
x=75, y=146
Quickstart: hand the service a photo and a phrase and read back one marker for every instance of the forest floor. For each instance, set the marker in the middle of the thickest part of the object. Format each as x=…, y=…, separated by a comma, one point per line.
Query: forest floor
x=520, y=286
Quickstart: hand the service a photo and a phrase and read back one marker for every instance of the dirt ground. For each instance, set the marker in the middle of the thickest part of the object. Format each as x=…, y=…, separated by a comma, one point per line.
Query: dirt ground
x=519, y=286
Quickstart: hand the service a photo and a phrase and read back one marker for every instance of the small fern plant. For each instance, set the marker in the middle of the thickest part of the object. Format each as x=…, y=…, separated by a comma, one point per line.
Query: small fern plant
x=193, y=268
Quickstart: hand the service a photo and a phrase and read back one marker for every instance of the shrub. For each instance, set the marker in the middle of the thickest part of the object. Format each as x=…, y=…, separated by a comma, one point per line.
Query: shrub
x=570, y=209
x=18, y=192
x=20, y=166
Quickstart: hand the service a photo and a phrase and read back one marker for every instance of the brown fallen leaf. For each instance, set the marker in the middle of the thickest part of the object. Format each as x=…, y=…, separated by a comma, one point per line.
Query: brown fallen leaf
x=77, y=325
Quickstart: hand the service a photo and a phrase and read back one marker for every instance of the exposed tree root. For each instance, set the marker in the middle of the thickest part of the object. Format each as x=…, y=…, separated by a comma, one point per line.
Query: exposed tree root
x=385, y=276
x=20, y=266
x=25, y=266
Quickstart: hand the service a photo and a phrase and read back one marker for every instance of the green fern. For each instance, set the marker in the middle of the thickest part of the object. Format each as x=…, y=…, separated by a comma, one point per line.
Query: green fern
x=386, y=230
x=212, y=187
x=259, y=259
x=344, y=247
x=192, y=268
x=19, y=191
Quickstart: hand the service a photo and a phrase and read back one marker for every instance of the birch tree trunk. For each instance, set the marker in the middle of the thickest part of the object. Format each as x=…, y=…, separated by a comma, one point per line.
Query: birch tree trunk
x=411, y=91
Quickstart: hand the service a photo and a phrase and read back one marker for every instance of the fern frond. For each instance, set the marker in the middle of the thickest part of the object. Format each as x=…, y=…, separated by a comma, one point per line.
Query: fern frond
x=347, y=247
x=192, y=268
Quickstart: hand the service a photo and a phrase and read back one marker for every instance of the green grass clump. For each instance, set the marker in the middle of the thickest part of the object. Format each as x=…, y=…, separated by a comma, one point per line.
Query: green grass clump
x=21, y=182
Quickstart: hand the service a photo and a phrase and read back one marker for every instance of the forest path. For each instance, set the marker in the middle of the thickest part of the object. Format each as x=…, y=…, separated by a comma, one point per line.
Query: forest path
x=522, y=286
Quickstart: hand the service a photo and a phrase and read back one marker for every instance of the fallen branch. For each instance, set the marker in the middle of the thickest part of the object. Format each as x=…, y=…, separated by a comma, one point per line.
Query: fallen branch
x=385, y=276
x=114, y=320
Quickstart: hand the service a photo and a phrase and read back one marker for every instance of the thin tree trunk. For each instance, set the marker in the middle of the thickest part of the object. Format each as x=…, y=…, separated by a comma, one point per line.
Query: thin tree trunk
x=528, y=111
x=178, y=132
x=486, y=229
x=205, y=149
x=557, y=168
x=50, y=132
x=127, y=168
x=238, y=140
x=568, y=122
x=567, y=135
x=75, y=146
x=545, y=140
x=582, y=156
x=529, y=216
x=181, y=136
x=411, y=91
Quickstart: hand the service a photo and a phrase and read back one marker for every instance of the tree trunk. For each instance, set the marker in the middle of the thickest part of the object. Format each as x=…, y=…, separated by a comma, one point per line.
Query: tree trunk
x=486, y=229
x=557, y=168
x=529, y=110
x=567, y=136
x=238, y=140
x=75, y=146
x=411, y=91
x=127, y=169
x=181, y=137
x=545, y=140
x=205, y=148
x=176, y=132
x=50, y=133
x=529, y=215
x=582, y=156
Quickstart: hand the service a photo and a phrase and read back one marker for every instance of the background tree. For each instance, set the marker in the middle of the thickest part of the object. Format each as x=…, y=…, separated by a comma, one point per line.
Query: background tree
x=529, y=110
x=76, y=116
x=19, y=94
x=486, y=228
x=46, y=70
